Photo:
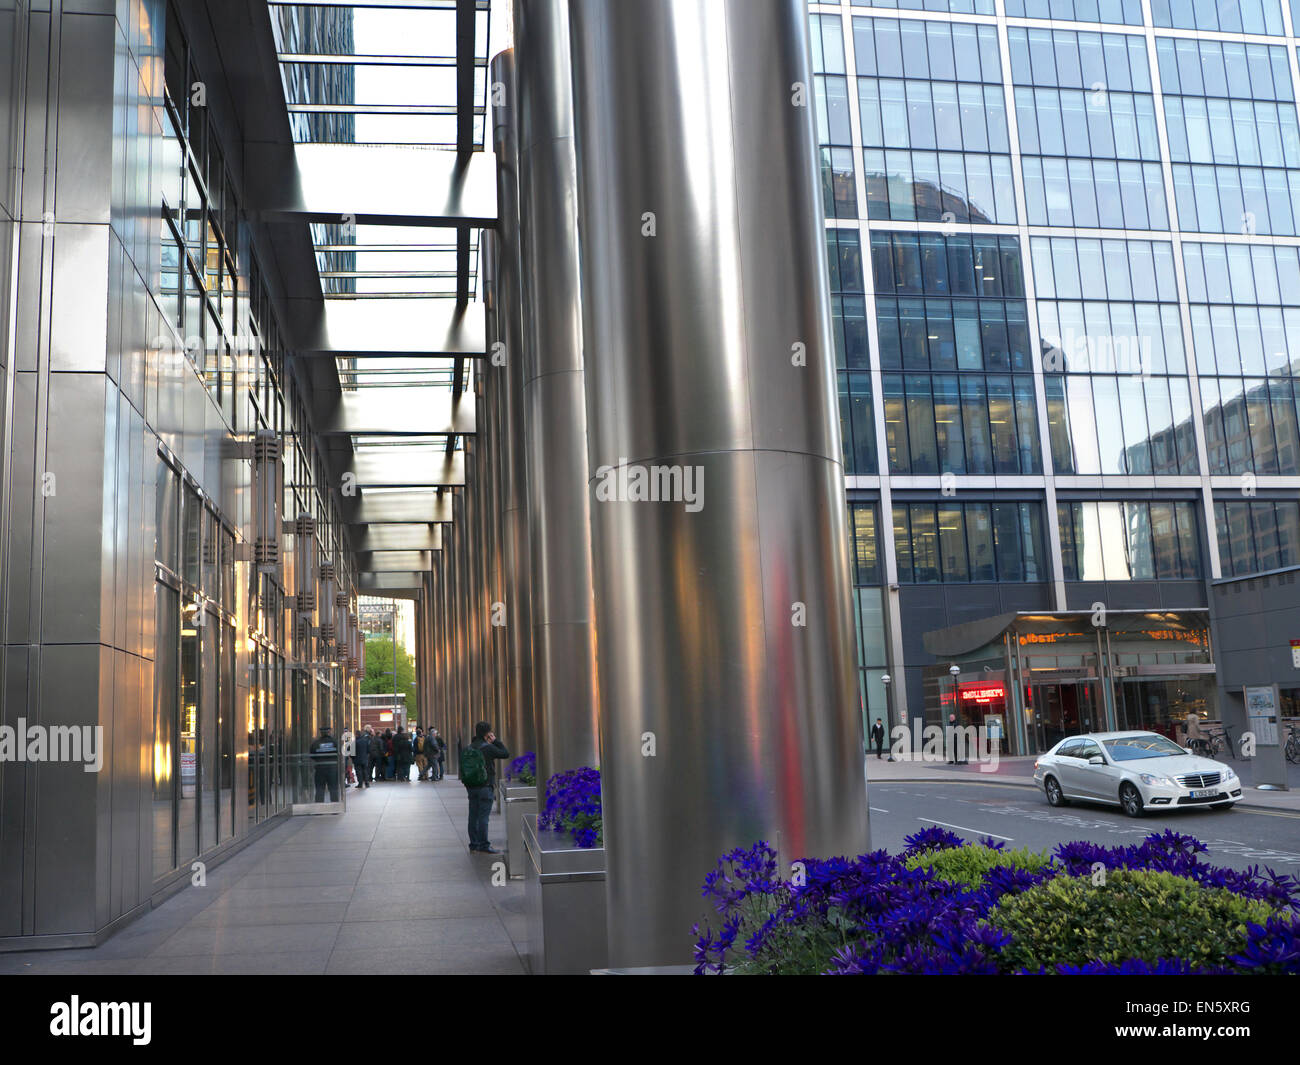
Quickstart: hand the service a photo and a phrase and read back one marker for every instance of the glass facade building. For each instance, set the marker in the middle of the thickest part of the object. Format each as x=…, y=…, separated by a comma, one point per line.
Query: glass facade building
x=1063, y=244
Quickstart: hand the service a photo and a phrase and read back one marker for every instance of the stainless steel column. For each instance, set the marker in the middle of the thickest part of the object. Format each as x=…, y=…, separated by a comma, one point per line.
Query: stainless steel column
x=725, y=633
x=554, y=405
x=514, y=470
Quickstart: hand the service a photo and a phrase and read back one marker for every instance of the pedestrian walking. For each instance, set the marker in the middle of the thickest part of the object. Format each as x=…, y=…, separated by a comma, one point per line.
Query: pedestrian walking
x=878, y=737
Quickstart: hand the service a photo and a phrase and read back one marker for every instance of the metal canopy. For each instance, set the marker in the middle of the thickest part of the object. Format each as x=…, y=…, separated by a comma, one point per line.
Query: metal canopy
x=407, y=410
x=387, y=102
x=395, y=561
x=398, y=508
x=352, y=328
x=397, y=537
x=407, y=467
x=386, y=185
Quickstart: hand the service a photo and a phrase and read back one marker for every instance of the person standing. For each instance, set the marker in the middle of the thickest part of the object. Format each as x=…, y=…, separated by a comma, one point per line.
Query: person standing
x=361, y=759
x=349, y=758
x=388, y=754
x=421, y=756
x=437, y=755
x=376, y=755
x=878, y=737
x=325, y=760
x=478, y=774
x=402, y=749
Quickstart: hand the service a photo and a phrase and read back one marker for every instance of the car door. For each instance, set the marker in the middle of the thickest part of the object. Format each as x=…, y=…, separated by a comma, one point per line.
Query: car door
x=1067, y=767
x=1095, y=781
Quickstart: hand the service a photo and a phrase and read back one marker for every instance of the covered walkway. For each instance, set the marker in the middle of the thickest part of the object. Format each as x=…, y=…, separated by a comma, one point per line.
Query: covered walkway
x=388, y=887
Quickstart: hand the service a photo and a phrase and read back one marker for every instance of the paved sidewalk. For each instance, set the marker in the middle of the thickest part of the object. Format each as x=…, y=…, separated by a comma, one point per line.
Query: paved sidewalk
x=387, y=888
x=1020, y=771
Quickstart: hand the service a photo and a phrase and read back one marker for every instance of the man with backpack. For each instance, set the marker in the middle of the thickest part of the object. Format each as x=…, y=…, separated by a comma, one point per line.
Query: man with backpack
x=478, y=774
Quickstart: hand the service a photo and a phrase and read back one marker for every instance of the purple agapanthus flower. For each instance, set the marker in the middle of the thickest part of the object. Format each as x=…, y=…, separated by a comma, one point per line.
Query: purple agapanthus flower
x=572, y=805
x=871, y=914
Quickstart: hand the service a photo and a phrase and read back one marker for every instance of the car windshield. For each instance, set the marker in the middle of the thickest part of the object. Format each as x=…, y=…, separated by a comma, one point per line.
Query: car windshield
x=1130, y=748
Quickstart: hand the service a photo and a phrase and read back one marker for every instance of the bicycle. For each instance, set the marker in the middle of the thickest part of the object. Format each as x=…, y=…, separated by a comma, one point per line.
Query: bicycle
x=1292, y=744
x=1221, y=743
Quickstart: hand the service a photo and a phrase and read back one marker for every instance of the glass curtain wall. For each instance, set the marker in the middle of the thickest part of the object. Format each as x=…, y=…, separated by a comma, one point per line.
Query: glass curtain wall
x=1079, y=245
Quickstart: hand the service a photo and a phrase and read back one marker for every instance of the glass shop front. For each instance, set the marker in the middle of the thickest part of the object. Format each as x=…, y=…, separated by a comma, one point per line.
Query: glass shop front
x=1033, y=679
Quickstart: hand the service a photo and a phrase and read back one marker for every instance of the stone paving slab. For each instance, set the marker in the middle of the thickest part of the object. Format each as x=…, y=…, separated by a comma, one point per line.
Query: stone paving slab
x=391, y=881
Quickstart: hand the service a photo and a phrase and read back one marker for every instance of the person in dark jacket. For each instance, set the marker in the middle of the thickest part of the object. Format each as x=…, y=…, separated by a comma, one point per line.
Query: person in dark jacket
x=437, y=754
x=878, y=737
x=361, y=760
x=480, y=798
x=402, y=749
x=388, y=754
x=325, y=759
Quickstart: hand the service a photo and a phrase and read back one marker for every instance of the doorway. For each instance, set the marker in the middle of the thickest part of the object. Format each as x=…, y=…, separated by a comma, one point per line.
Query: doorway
x=1063, y=708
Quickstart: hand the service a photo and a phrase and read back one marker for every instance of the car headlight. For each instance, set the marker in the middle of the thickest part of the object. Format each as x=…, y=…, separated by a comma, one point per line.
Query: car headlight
x=1228, y=776
x=1151, y=779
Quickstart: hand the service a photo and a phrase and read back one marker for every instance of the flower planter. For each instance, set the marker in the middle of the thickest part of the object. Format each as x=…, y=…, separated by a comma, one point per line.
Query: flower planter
x=564, y=894
x=517, y=800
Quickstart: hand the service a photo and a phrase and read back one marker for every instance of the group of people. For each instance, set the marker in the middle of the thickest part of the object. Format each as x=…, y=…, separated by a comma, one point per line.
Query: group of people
x=373, y=756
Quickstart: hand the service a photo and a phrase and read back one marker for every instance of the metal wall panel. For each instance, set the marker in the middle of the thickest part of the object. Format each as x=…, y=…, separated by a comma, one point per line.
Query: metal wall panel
x=72, y=568
x=85, y=126
x=65, y=797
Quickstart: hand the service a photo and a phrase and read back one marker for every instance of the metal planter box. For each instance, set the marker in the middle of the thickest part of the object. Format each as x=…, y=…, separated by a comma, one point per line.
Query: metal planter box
x=517, y=800
x=564, y=894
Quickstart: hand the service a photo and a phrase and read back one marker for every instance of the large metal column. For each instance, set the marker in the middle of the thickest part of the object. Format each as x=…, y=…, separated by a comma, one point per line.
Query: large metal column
x=517, y=588
x=554, y=405
x=725, y=632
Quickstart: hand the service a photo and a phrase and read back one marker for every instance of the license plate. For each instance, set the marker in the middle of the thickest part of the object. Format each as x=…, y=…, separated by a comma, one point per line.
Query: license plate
x=1203, y=794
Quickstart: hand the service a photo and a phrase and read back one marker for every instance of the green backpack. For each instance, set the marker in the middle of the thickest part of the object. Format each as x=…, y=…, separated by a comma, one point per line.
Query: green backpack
x=473, y=768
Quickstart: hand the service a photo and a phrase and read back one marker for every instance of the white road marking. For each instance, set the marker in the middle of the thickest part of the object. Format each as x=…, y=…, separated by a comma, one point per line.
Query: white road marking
x=877, y=809
x=963, y=828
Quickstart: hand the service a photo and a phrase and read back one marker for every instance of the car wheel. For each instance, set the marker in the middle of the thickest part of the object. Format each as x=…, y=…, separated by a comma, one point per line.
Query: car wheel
x=1131, y=800
x=1055, y=797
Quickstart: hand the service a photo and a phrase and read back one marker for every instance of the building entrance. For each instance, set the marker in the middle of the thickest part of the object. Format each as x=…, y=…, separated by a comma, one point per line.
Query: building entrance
x=1058, y=709
x=1047, y=676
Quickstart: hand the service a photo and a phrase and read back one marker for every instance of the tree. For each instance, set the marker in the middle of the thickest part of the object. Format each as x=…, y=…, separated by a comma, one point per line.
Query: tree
x=379, y=673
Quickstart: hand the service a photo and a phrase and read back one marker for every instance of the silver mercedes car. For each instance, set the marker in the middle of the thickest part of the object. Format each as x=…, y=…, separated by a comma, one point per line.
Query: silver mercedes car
x=1136, y=771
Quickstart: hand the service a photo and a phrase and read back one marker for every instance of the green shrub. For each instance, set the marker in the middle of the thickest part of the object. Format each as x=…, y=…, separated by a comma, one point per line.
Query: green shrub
x=1132, y=913
x=969, y=865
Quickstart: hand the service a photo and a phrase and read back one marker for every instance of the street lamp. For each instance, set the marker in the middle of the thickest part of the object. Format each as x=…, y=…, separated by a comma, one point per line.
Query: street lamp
x=885, y=679
x=954, y=671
